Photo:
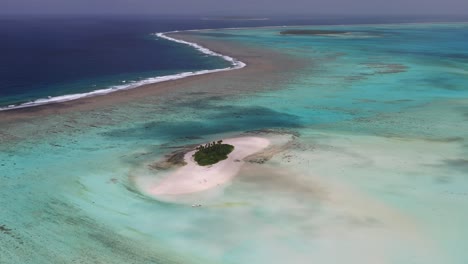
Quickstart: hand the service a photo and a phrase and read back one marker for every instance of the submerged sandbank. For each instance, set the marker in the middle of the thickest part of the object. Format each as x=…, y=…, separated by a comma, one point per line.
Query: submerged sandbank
x=311, y=32
x=192, y=177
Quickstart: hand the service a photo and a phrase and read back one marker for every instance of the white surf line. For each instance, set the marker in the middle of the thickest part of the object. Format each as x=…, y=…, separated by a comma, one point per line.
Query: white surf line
x=236, y=64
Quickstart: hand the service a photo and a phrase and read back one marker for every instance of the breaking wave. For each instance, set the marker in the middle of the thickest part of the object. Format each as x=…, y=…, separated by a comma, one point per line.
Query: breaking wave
x=235, y=64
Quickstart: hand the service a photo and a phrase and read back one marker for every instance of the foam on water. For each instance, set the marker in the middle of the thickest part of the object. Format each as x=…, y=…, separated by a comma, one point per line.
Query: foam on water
x=236, y=64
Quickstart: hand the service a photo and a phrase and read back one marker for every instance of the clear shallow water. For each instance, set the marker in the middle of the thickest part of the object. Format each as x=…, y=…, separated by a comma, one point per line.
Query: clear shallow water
x=377, y=172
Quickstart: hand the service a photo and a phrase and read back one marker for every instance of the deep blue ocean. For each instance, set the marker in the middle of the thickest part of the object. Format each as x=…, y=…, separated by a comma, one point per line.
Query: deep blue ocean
x=52, y=56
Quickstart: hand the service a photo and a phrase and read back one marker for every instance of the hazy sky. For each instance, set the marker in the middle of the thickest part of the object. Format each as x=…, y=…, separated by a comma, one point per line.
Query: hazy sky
x=237, y=7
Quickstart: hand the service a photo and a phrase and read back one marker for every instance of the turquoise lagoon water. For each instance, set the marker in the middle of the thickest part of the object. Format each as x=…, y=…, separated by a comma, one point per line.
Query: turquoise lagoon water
x=376, y=170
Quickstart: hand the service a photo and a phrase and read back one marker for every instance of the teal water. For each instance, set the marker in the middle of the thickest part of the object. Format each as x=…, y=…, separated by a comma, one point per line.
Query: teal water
x=376, y=172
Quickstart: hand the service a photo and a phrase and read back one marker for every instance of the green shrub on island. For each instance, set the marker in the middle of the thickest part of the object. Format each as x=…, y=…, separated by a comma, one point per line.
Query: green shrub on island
x=212, y=153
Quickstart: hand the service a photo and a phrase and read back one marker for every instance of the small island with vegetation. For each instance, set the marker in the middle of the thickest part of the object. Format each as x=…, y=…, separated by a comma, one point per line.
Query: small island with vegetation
x=225, y=159
x=212, y=153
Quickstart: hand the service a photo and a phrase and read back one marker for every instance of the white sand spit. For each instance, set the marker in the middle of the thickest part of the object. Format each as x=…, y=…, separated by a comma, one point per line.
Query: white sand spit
x=195, y=178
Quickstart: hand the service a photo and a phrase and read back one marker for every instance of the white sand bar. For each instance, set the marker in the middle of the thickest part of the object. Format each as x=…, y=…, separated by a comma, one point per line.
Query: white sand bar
x=195, y=178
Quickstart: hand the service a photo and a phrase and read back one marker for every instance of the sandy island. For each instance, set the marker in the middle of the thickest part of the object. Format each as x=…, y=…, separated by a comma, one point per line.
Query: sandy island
x=195, y=178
